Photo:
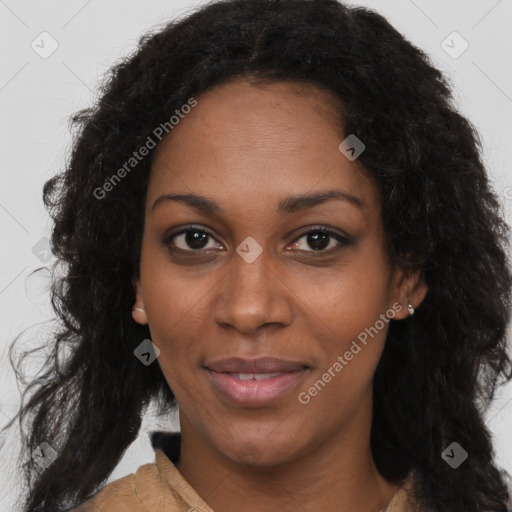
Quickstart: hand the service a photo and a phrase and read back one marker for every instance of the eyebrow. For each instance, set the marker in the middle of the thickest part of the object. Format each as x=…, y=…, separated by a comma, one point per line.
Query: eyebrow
x=290, y=204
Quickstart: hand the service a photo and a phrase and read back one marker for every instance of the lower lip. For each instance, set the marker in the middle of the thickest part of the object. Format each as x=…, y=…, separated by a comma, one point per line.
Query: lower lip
x=254, y=393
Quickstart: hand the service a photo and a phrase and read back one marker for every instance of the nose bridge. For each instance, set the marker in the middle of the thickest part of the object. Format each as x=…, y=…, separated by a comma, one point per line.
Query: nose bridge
x=251, y=294
x=248, y=275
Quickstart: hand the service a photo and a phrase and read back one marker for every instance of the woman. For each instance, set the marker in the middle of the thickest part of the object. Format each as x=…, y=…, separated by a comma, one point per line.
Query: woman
x=275, y=218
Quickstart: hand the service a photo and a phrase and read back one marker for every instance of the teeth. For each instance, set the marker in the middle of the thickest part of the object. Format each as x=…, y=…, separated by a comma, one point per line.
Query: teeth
x=255, y=376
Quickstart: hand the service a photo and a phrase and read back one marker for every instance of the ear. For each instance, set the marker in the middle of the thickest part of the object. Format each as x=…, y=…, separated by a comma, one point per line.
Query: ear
x=138, y=310
x=410, y=287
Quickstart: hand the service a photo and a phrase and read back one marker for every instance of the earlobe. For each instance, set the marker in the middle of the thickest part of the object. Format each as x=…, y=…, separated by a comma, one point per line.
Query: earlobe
x=138, y=310
x=411, y=291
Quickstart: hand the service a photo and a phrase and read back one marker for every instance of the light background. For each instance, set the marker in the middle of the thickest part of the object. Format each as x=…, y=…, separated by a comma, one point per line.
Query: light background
x=38, y=95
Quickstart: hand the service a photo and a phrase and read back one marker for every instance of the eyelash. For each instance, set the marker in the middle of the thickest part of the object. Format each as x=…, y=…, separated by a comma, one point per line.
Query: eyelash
x=343, y=240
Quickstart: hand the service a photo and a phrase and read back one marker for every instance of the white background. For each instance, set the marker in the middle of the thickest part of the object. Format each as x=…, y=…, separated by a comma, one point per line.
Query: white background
x=38, y=95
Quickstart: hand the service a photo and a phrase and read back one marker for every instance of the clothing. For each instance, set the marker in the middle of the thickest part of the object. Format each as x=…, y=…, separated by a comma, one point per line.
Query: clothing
x=160, y=487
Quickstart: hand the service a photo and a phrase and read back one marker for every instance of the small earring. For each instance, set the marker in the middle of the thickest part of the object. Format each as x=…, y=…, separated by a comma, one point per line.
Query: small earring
x=410, y=308
x=140, y=318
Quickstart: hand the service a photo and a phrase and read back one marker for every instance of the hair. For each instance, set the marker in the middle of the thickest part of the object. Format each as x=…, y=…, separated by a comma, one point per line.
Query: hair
x=439, y=369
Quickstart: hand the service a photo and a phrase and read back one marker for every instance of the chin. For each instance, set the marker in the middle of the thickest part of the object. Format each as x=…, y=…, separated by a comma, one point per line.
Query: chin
x=261, y=451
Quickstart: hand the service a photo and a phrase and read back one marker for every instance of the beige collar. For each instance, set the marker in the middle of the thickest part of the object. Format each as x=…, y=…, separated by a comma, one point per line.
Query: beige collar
x=177, y=483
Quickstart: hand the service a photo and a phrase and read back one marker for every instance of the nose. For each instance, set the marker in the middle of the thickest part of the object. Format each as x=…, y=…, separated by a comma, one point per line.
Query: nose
x=252, y=295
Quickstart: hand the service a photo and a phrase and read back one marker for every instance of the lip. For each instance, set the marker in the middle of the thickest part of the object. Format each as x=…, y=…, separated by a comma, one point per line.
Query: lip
x=254, y=393
x=260, y=365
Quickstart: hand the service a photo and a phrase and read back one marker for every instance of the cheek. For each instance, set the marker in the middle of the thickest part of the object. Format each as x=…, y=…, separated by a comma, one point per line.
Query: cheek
x=346, y=301
x=176, y=302
x=349, y=357
x=349, y=320
x=178, y=326
x=174, y=296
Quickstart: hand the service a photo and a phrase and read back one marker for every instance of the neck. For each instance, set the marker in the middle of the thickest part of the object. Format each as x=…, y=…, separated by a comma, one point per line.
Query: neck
x=337, y=474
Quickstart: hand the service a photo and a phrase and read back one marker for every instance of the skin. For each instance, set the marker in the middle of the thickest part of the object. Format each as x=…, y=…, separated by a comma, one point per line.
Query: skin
x=247, y=147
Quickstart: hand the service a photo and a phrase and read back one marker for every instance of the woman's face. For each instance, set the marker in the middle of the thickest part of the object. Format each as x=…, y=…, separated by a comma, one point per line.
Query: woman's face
x=254, y=278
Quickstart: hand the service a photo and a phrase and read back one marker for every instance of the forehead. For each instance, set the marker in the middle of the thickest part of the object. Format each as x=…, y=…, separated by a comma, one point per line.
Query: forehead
x=262, y=142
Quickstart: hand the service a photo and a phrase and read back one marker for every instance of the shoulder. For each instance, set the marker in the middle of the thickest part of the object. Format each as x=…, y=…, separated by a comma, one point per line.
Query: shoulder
x=153, y=487
x=142, y=491
x=119, y=495
x=406, y=499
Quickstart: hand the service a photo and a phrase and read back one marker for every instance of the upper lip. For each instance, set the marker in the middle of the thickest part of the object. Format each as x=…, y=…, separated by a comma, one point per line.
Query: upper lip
x=261, y=365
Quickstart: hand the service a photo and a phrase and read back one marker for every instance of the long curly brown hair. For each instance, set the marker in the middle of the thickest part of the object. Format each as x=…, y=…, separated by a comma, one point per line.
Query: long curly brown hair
x=439, y=369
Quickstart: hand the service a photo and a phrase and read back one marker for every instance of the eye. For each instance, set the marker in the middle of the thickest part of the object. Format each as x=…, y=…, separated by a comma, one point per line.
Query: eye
x=191, y=240
x=321, y=239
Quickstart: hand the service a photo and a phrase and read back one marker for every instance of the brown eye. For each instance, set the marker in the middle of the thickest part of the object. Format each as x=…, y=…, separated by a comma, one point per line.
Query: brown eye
x=321, y=240
x=190, y=240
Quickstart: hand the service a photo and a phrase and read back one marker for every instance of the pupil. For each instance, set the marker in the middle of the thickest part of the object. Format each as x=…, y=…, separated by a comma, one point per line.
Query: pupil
x=196, y=239
x=317, y=240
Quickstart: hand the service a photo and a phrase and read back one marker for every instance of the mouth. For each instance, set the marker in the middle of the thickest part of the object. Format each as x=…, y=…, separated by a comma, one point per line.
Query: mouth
x=254, y=383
